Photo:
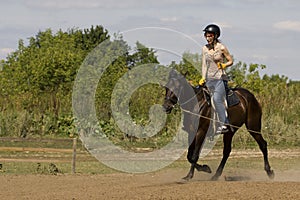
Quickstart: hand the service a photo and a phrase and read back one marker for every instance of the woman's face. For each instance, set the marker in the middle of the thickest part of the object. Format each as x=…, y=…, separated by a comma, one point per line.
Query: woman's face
x=209, y=37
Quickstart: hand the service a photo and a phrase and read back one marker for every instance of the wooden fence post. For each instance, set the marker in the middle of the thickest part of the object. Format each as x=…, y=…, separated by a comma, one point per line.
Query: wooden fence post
x=74, y=155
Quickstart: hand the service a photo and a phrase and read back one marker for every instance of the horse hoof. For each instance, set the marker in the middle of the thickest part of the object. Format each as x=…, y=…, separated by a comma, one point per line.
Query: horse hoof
x=204, y=168
x=271, y=174
x=182, y=181
x=187, y=178
x=214, y=178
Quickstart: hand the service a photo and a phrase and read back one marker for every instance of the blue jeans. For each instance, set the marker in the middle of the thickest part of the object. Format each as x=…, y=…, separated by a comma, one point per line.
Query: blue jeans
x=218, y=94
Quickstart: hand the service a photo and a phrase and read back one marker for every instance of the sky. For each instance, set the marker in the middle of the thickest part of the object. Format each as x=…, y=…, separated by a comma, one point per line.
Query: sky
x=255, y=31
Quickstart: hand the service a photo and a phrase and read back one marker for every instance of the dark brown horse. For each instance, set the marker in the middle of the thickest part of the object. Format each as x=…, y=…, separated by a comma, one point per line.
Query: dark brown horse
x=197, y=118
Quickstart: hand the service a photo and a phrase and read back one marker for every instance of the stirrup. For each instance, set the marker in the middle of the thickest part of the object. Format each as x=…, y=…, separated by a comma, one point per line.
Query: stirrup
x=222, y=129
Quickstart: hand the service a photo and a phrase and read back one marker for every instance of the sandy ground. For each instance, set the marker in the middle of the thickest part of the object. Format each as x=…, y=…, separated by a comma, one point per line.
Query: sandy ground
x=165, y=184
x=242, y=178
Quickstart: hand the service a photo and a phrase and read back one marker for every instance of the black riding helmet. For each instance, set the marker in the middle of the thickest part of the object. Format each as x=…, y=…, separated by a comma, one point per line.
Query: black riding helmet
x=212, y=28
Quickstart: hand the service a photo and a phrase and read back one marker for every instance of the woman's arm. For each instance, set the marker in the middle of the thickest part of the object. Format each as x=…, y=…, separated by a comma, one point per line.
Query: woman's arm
x=204, y=67
x=227, y=56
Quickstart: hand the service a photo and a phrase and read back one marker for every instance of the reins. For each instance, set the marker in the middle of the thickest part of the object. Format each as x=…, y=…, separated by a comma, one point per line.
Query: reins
x=208, y=118
x=204, y=117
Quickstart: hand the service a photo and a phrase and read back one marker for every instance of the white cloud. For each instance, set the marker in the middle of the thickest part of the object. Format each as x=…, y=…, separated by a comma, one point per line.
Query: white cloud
x=169, y=19
x=5, y=51
x=224, y=24
x=244, y=30
x=82, y=4
x=65, y=4
x=260, y=57
x=288, y=25
x=89, y=4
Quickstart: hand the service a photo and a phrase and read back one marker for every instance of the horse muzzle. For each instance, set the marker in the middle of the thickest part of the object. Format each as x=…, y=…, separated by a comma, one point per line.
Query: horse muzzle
x=168, y=108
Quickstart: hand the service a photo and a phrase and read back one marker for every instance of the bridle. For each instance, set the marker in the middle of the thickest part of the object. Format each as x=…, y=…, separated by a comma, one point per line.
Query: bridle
x=179, y=96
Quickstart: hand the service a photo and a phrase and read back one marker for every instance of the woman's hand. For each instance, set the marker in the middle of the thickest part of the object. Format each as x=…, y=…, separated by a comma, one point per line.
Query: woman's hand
x=221, y=65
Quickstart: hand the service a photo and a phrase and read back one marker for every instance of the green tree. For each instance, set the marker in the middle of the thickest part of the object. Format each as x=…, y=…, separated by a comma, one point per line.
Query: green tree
x=88, y=39
x=38, y=78
x=190, y=66
x=141, y=55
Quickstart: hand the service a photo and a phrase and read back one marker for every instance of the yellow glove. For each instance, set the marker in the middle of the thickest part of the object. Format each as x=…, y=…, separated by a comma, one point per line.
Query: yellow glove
x=202, y=81
x=221, y=65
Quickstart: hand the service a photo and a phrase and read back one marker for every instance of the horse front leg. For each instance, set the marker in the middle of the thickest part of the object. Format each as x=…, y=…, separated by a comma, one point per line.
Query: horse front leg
x=191, y=159
x=190, y=175
x=203, y=168
x=193, y=156
x=227, y=140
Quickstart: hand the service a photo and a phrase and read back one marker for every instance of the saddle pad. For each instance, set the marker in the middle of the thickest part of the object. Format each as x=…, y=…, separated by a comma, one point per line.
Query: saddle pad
x=232, y=98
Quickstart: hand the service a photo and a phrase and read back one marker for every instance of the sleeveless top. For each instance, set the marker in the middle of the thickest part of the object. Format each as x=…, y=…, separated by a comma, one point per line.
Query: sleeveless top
x=210, y=59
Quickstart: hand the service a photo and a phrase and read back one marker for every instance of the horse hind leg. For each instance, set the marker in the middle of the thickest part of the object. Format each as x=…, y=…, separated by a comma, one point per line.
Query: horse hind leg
x=264, y=149
x=255, y=131
x=253, y=124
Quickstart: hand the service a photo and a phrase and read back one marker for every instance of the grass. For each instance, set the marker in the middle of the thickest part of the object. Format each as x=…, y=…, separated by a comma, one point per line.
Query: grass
x=89, y=165
x=63, y=143
x=46, y=168
x=43, y=161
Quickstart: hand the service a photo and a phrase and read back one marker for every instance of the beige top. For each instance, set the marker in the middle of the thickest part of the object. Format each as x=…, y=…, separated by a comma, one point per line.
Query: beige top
x=210, y=58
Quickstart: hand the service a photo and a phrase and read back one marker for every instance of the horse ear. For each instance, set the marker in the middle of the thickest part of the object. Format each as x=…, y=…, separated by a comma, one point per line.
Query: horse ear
x=185, y=74
x=173, y=74
x=161, y=84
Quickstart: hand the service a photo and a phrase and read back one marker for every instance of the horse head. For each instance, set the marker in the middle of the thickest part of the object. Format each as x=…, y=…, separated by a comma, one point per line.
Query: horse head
x=172, y=88
x=178, y=90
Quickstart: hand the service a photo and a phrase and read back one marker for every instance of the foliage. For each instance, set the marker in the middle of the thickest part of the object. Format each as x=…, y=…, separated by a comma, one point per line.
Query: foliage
x=280, y=102
x=190, y=66
x=37, y=79
x=37, y=82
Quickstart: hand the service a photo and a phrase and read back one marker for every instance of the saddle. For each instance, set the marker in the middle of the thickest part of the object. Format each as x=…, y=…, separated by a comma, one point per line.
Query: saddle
x=232, y=98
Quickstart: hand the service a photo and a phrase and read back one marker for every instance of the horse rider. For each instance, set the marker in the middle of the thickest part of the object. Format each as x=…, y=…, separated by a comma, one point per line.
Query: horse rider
x=215, y=59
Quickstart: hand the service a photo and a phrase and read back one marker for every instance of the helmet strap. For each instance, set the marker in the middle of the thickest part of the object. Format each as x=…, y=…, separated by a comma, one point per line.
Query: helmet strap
x=212, y=45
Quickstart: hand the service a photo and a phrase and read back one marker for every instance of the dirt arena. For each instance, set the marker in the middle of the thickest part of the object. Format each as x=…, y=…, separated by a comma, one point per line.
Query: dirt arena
x=243, y=178
x=165, y=184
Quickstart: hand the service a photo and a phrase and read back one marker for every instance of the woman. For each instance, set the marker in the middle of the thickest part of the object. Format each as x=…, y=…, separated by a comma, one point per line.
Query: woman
x=215, y=58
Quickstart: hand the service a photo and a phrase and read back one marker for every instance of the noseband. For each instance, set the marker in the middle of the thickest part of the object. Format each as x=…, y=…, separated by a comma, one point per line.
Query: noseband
x=179, y=95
